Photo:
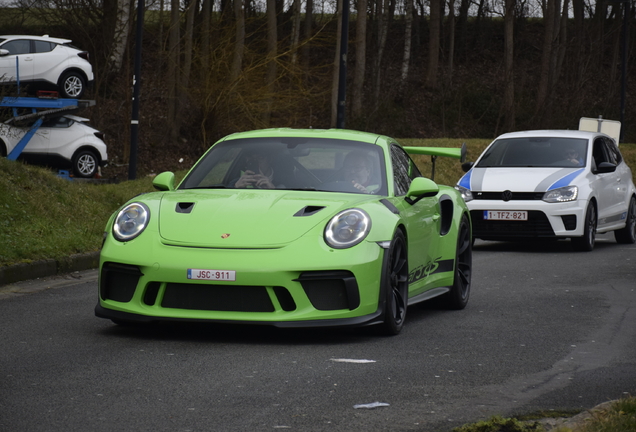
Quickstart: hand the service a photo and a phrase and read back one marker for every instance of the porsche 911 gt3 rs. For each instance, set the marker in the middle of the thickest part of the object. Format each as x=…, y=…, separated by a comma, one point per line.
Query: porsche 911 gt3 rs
x=290, y=228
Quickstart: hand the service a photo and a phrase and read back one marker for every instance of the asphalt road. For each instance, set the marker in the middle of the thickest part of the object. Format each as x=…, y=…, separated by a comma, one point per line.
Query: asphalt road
x=546, y=328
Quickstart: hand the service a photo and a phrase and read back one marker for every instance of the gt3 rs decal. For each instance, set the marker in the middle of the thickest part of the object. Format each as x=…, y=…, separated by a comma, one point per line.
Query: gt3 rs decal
x=432, y=267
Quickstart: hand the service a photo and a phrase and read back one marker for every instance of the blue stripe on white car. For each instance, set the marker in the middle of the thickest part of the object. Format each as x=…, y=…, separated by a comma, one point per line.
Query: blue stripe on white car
x=563, y=181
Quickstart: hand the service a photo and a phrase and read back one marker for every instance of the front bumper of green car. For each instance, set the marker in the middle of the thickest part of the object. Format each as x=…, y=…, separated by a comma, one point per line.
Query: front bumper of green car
x=284, y=287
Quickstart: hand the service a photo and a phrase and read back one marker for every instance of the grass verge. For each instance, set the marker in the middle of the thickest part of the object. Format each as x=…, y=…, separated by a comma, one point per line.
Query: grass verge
x=619, y=416
x=43, y=216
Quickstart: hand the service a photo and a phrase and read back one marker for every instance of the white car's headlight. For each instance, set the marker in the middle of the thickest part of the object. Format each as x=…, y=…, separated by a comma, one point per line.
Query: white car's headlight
x=564, y=194
x=131, y=221
x=347, y=228
x=466, y=193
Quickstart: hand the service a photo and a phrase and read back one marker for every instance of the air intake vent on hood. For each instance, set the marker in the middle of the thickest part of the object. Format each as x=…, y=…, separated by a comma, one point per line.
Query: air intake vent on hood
x=184, y=207
x=309, y=210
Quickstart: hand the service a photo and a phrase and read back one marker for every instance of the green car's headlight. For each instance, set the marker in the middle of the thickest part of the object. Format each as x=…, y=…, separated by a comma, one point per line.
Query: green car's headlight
x=347, y=228
x=131, y=221
x=564, y=194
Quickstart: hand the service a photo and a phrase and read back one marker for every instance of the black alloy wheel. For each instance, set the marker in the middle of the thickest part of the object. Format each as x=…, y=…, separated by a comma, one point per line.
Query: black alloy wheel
x=395, y=277
x=627, y=235
x=585, y=243
x=457, y=297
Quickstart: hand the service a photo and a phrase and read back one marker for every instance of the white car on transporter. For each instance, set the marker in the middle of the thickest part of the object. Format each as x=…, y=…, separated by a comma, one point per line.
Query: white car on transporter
x=552, y=184
x=45, y=63
x=66, y=141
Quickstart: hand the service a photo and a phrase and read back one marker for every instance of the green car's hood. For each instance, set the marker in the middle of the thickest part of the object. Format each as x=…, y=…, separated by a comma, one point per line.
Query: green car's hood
x=244, y=218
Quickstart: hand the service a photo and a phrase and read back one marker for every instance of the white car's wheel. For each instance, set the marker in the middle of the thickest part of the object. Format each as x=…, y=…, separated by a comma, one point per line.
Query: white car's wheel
x=85, y=164
x=585, y=243
x=72, y=85
x=627, y=235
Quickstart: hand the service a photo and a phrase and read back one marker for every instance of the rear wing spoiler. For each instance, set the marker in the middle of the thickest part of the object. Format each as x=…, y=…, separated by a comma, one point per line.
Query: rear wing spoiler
x=434, y=152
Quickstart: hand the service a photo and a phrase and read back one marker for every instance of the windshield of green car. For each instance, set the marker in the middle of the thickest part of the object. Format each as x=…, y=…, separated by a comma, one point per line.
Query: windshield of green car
x=310, y=164
x=535, y=152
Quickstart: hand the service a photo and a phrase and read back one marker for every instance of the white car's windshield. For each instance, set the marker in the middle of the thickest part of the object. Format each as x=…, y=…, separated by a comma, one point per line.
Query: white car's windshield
x=293, y=164
x=535, y=152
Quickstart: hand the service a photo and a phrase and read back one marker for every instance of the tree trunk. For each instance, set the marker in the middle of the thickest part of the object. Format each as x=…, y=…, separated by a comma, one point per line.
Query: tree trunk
x=336, y=70
x=451, y=40
x=579, y=39
x=509, y=87
x=406, y=57
x=546, y=58
x=206, y=13
x=173, y=71
x=361, y=59
x=239, y=40
x=189, y=46
x=309, y=25
x=295, y=36
x=272, y=53
x=120, y=38
x=433, y=45
x=383, y=30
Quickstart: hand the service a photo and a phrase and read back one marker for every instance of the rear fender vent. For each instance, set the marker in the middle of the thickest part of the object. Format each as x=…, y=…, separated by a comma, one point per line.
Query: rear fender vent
x=446, y=208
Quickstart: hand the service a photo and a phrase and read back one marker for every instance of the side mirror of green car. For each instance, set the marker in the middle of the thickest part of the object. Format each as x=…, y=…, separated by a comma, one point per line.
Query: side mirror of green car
x=164, y=181
x=421, y=187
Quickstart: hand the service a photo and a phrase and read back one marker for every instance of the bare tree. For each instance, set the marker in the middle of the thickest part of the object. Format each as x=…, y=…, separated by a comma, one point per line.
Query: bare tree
x=383, y=30
x=188, y=48
x=336, y=70
x=206, y=13
x=406, y=57
x=173, y=70
x=239, y=40
x=508, y=105
x=309, y=24
x=434, y=43
x=361, y=58
x=272, y=53
x=451, y=39
x=295, y=36
x=549, y=59
x=120, y=37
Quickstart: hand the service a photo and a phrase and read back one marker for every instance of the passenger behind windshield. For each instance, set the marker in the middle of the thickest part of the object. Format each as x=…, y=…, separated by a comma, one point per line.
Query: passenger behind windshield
x=258, y=172
x=357, y=170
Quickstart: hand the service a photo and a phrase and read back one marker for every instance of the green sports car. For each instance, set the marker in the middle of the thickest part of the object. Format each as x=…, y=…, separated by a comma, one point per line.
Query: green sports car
x=290, y=228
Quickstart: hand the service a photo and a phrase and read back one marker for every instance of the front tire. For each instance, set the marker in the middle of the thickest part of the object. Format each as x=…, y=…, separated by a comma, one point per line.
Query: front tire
x=457, y=297
x=627, y=235
x=85, y=164
x=72, y=85
x=586, y=242
x=395, y=277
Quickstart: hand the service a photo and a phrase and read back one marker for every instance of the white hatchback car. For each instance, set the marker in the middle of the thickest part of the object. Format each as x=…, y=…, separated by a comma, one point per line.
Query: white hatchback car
x=551, y=184
x=61, y=142
x=45, y=63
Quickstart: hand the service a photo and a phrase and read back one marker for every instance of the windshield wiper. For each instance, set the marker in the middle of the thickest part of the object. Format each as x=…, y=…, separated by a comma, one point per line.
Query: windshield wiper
x=216, y=186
